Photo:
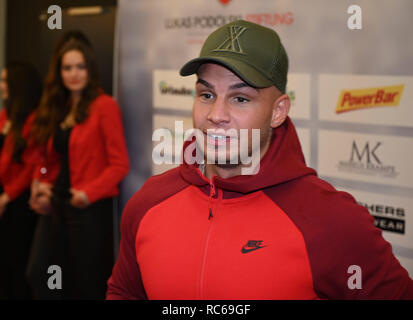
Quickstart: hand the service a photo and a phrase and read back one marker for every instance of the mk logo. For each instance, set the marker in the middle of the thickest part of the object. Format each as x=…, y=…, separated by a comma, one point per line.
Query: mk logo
x=366, y=151
x=231, y=44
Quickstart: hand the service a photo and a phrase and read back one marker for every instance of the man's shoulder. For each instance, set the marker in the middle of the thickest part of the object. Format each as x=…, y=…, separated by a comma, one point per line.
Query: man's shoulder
x=316, y=202
x=310, y=188
x=328, y=200
x=155, y=190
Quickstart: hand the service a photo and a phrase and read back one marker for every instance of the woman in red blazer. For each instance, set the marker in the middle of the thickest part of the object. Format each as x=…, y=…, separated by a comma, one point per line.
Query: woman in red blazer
x=20, y=90
x=83, y=159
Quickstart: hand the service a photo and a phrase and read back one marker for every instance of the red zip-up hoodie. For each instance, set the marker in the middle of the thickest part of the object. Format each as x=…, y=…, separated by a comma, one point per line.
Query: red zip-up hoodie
x=280, y=234
x=98, y=157
x=16, y=177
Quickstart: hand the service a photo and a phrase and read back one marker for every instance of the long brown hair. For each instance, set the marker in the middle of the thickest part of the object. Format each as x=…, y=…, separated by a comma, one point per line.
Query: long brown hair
x=25, y=89
x=55, y=102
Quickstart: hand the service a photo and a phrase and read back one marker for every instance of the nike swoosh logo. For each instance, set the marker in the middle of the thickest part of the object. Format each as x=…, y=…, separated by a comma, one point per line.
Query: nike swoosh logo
x=243, y=250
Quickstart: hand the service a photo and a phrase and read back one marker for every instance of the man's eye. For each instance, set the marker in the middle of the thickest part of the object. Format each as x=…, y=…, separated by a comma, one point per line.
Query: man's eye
x=206, y=96
x=241, y=99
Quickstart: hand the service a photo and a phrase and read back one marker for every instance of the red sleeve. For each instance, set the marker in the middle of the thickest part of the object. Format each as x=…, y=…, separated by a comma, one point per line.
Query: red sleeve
x=339, y=234
x=118, y=161
x=354, y=240
x=47, y=163
x=3, y=118
x=20, y=183
x=126, y=282
x=22, y=180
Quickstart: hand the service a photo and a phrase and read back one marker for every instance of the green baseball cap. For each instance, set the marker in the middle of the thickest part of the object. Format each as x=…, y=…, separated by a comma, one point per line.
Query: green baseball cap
x=253, y=52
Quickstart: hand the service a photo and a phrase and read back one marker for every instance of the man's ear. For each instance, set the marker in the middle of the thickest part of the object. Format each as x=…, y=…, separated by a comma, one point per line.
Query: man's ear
x=281, y=107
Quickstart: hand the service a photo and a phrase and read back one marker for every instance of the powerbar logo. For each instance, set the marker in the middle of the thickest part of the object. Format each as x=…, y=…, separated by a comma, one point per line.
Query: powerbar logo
x=350, y=100
x=387, y=218
x=164, y=88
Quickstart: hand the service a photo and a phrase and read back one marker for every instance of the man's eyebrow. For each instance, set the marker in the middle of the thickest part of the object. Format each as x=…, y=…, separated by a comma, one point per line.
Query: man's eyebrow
x=232, y=87
x=242, y=85
x=205, y=83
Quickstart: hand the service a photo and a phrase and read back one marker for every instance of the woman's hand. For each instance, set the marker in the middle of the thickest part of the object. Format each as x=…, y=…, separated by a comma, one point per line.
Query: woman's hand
x=79, y=199
x=4, y=200
x=41, y=193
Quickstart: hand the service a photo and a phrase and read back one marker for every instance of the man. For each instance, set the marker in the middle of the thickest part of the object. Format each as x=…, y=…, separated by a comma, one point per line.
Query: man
x=211, y=232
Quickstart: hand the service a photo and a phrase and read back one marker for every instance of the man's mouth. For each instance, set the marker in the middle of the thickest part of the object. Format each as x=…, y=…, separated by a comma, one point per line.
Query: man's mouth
x=215, y=139
x=218, y=137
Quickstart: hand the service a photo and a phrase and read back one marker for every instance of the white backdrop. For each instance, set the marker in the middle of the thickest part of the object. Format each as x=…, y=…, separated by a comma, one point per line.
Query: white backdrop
x=367, y=150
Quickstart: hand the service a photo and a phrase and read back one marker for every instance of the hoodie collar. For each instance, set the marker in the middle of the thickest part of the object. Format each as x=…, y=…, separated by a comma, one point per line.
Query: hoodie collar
x=283, y=161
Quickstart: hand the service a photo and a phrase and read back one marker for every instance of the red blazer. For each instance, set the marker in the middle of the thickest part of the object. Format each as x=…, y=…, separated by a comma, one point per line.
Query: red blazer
x=98, y=158
x=16, y=177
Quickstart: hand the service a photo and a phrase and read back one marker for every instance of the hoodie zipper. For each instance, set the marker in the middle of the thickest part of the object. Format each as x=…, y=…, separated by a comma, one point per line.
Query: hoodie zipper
x=212, y=193
x=211, y=197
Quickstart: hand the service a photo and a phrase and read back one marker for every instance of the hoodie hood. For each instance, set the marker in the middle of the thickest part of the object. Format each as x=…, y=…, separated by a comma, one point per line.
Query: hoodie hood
x=283, y=161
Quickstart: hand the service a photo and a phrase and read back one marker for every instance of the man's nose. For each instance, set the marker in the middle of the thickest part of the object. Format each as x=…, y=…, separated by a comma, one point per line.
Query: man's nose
x=219, y=112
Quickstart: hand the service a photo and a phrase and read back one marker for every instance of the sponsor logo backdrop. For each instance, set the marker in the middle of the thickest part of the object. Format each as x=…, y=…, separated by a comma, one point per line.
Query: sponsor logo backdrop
x=351, y=91
x=364, y=99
